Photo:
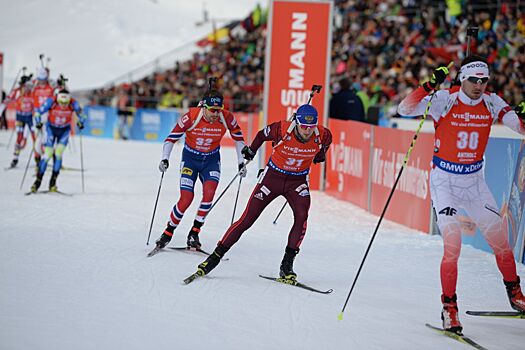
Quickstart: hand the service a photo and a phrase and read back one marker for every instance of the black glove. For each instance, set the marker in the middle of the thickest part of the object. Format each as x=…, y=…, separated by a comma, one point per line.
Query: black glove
x=39, y=125
x=80, y=125
x=164, y=165
x=247, y=153
x=437, y=78
x=320, y=157
x=520, y=110
x=242, y=170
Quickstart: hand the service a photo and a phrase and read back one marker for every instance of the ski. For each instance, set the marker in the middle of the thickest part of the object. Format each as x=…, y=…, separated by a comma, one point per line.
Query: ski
x=502, y=314
x=459, y=337
x=49, y=192
x=155, y=251
x=70, y=169
x=57, y=192
x=198, y=250
x=194, y=250
x=184, y=249
x=192, y=277
x=295, y=283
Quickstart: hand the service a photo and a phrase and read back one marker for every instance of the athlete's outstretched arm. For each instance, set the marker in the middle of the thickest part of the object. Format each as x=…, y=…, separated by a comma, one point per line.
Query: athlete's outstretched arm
x=236, y=134
x=183, y=124
x=507, y=115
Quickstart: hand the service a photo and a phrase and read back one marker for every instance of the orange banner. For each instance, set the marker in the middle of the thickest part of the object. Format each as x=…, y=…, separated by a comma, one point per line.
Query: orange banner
x=348, y=161
x=410, y=204
x=297, y=57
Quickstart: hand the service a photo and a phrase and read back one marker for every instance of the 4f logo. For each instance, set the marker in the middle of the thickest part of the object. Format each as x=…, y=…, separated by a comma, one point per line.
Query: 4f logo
x=448, y=211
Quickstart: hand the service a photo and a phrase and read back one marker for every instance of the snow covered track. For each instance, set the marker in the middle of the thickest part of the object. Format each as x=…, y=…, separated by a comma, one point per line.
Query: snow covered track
x=74, y=272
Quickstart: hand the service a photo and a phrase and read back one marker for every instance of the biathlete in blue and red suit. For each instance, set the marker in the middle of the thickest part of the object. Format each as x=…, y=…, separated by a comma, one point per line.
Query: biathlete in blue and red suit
x=204, y=127
x=297, y=143
x=58, y=127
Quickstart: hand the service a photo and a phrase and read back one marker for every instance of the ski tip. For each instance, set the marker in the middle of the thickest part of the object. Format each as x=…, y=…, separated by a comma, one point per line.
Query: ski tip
x=340, y=316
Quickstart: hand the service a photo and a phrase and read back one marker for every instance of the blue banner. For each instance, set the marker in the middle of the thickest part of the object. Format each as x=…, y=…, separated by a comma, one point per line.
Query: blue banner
x=515, y=205
x=500, y=166
x=101, y=121
x=152, y=125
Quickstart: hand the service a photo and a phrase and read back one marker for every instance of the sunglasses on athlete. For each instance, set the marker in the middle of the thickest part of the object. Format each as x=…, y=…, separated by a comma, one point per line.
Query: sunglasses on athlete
x=477, y=80
x=306, y=127
x=214, y=109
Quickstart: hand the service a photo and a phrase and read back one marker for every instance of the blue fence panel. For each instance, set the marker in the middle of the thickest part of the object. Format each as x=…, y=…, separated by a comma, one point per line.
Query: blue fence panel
x=152, y=125
x=101, y=121
x=500, y=164
x=516, y=203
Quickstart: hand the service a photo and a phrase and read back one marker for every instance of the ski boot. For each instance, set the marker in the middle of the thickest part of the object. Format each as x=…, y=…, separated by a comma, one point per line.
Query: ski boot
x=37, y=183
x=212, y=260
x=14, y=162
x=286, y=270
x=516, y=298
x=193, y=236
x=449, y=314
x=166, y=236
x=53, y=182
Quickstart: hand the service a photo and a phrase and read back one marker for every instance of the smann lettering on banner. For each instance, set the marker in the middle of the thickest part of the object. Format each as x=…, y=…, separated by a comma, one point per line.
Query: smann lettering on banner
x=295, y=94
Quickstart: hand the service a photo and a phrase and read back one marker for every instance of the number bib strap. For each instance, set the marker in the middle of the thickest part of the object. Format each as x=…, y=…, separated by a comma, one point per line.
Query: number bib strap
x=191, y=150
x=457, y=168
x=274, y=167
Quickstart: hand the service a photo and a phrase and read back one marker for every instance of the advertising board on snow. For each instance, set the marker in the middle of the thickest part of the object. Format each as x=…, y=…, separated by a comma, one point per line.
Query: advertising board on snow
x=347, y=175
x=297, y=57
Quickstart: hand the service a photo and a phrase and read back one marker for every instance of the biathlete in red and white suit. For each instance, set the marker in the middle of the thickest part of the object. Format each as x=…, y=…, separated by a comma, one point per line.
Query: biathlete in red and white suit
x=24, y=116
x=204, y=128
x=463, y=119
x=297, y=143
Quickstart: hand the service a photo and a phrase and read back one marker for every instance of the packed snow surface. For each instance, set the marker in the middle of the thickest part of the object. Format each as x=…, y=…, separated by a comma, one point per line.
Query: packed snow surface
x=74, y=272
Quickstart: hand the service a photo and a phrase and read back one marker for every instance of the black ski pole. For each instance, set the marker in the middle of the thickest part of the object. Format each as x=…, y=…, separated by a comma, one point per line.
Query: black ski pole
x=280, y=211
x=405, y=160
x=236, y=199
x=27, y=166
x=11, y=137
x=226, y=189
x=155, y=208
x=315, y=88
x=81, y=160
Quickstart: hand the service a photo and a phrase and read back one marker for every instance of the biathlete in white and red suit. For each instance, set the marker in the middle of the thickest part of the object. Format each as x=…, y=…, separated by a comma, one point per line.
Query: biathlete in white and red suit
x=42, y=90
x=463, y=119
x=204, y=128
x=297, y=143
x=24, y=116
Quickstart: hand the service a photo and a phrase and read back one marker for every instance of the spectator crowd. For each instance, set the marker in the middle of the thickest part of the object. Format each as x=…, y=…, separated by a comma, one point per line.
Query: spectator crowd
x=383, y=48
